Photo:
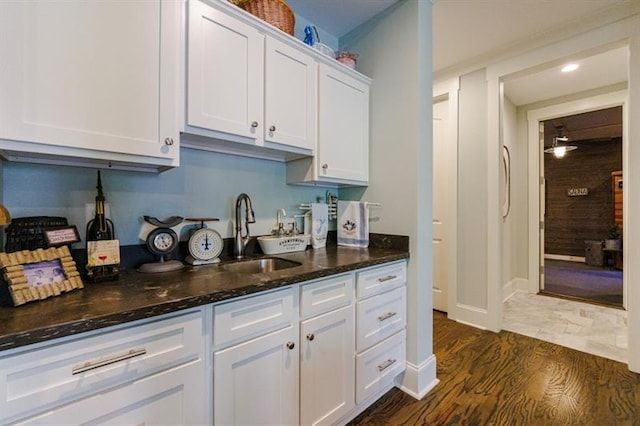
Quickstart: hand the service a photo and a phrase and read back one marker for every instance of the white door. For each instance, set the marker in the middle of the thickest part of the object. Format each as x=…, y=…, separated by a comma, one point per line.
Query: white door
x=327, y=369
x=441, y=193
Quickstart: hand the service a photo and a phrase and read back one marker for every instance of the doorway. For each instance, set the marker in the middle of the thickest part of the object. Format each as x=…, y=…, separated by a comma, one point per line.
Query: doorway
x=583, y=207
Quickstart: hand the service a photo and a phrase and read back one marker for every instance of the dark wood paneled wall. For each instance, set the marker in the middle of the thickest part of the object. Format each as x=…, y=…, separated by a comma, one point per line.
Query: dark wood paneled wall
x=569, y=220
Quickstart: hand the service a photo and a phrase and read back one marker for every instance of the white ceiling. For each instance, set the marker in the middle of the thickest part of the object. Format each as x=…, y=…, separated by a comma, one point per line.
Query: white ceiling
x=600, y=70
x=466, y=31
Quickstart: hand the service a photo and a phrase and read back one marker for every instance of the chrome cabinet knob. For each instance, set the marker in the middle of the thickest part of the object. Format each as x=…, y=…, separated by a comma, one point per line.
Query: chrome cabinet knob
x=168, y=141
x=325, y=166
x=254, y=124
x=272, y=128
x=310, y=337
x=290, y=345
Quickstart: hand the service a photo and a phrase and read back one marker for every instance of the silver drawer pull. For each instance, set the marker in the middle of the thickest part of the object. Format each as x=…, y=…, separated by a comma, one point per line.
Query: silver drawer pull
x=386, y=316
x=92, y=365
x=388, y=363
x=387, y=278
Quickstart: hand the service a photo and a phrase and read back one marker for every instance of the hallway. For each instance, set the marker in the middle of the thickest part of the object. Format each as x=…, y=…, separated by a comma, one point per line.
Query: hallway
x=593, y=329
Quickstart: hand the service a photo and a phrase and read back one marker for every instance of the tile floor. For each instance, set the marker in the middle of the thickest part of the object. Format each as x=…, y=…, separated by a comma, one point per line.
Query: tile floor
x=597, y=330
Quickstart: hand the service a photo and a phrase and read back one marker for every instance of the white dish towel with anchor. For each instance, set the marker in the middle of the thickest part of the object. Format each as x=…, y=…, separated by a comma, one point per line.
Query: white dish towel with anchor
x=353, y=223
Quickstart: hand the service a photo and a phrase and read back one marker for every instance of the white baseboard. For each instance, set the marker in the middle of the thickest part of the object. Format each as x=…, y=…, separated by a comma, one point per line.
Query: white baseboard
x=564, y=257
x=514, y=286
x=418, y=380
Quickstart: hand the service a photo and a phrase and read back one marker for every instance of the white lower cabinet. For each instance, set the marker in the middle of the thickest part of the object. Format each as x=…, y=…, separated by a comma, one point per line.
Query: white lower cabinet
x=381, y=322
x=147, y=373
x=312, y=353
x=256, y=360
x=256, y=382
x=327, y=374
x=166, y=398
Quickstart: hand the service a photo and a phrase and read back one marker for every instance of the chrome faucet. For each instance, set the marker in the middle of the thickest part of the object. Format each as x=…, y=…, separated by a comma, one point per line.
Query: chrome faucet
x=242, y=241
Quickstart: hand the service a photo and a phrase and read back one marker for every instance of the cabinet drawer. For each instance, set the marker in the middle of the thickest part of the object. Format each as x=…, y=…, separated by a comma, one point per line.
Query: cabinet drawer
x=380, y=279
x=379, y=317
x=325, y=295
x=62, y=372
x=152, y=400
x=377, y=368
x=246, y=318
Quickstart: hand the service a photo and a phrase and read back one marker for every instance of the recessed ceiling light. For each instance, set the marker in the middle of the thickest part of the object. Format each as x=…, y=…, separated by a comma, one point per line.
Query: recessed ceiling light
x=570, y=67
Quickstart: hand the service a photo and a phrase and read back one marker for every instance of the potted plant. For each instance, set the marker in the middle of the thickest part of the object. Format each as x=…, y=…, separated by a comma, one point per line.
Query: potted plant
x=613, y=241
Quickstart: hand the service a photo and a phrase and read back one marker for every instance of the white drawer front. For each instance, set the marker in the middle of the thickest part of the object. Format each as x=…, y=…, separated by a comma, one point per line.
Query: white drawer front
x=377, y=367
x=246, y=318
x=379, y=317
x=58, y=373
x=325, y=295
x=380, y=279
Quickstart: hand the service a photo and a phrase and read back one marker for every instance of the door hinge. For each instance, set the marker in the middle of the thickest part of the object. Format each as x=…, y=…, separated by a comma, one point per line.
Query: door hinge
x=541, y=180
x=541, y=270
x=541, y=225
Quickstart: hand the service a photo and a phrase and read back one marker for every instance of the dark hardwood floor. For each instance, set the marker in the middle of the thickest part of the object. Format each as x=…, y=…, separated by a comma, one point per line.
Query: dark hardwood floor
x=507, y=379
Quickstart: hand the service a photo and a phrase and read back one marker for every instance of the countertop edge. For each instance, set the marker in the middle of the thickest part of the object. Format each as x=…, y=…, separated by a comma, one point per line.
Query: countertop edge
x=13, y=340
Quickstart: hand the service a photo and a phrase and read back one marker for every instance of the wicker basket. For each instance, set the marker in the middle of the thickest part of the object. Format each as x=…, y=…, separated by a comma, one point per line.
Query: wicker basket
x=274, y=12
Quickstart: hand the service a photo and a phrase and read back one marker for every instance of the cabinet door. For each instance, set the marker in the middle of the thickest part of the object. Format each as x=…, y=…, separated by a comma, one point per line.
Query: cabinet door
x=290, y=96
x=327, y=388
x=343, y=122
x=98, y=76
x=256, y=382
x=225, y=83
x=172, y=397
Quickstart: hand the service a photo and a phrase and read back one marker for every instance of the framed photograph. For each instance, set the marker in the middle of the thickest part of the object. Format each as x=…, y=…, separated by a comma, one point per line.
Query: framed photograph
x=31, y=275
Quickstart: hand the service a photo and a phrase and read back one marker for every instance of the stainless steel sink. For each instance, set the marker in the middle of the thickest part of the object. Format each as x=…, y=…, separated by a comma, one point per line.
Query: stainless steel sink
x=259, y=266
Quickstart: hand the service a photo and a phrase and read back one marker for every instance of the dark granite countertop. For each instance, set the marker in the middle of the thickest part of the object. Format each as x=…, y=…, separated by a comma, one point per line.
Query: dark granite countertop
x=136, y=295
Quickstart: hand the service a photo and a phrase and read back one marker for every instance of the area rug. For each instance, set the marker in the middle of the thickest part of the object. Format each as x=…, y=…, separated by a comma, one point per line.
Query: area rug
x=578, y=280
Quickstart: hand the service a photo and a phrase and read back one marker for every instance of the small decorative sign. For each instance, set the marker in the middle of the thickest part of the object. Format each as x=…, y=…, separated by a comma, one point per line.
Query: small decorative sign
x=61, y=236
x=103, y=252
x=577, y=192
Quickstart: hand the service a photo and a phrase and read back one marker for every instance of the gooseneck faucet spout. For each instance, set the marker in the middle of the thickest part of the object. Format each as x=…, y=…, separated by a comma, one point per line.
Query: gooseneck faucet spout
x=242, y=241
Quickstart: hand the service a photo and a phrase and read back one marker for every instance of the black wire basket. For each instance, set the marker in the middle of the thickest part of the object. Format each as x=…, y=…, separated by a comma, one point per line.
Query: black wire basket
x=26, y=233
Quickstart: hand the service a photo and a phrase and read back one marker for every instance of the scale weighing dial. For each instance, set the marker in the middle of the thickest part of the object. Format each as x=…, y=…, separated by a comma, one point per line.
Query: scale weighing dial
x=205, y=244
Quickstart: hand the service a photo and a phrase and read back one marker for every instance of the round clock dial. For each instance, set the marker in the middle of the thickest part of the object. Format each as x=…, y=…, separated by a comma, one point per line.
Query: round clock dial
x=205, y=244
x=162, y=241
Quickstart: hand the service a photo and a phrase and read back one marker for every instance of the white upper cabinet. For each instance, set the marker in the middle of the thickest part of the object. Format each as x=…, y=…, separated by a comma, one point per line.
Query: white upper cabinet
x=290, y=96
x=247, y=87
x=343, y=151
x=225, y=85
x=90, y=83
x=342, y=156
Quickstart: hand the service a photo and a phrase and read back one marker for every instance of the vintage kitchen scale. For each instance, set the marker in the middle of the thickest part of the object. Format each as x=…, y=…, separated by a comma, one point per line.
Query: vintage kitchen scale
x=205, y=244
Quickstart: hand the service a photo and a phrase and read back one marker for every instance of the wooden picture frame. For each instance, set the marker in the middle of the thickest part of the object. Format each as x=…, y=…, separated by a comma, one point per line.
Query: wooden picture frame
x=39, y=274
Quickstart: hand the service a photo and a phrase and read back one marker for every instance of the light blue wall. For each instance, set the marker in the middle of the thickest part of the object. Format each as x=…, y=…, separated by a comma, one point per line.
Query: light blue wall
x=206, y=184
x=325, y=37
